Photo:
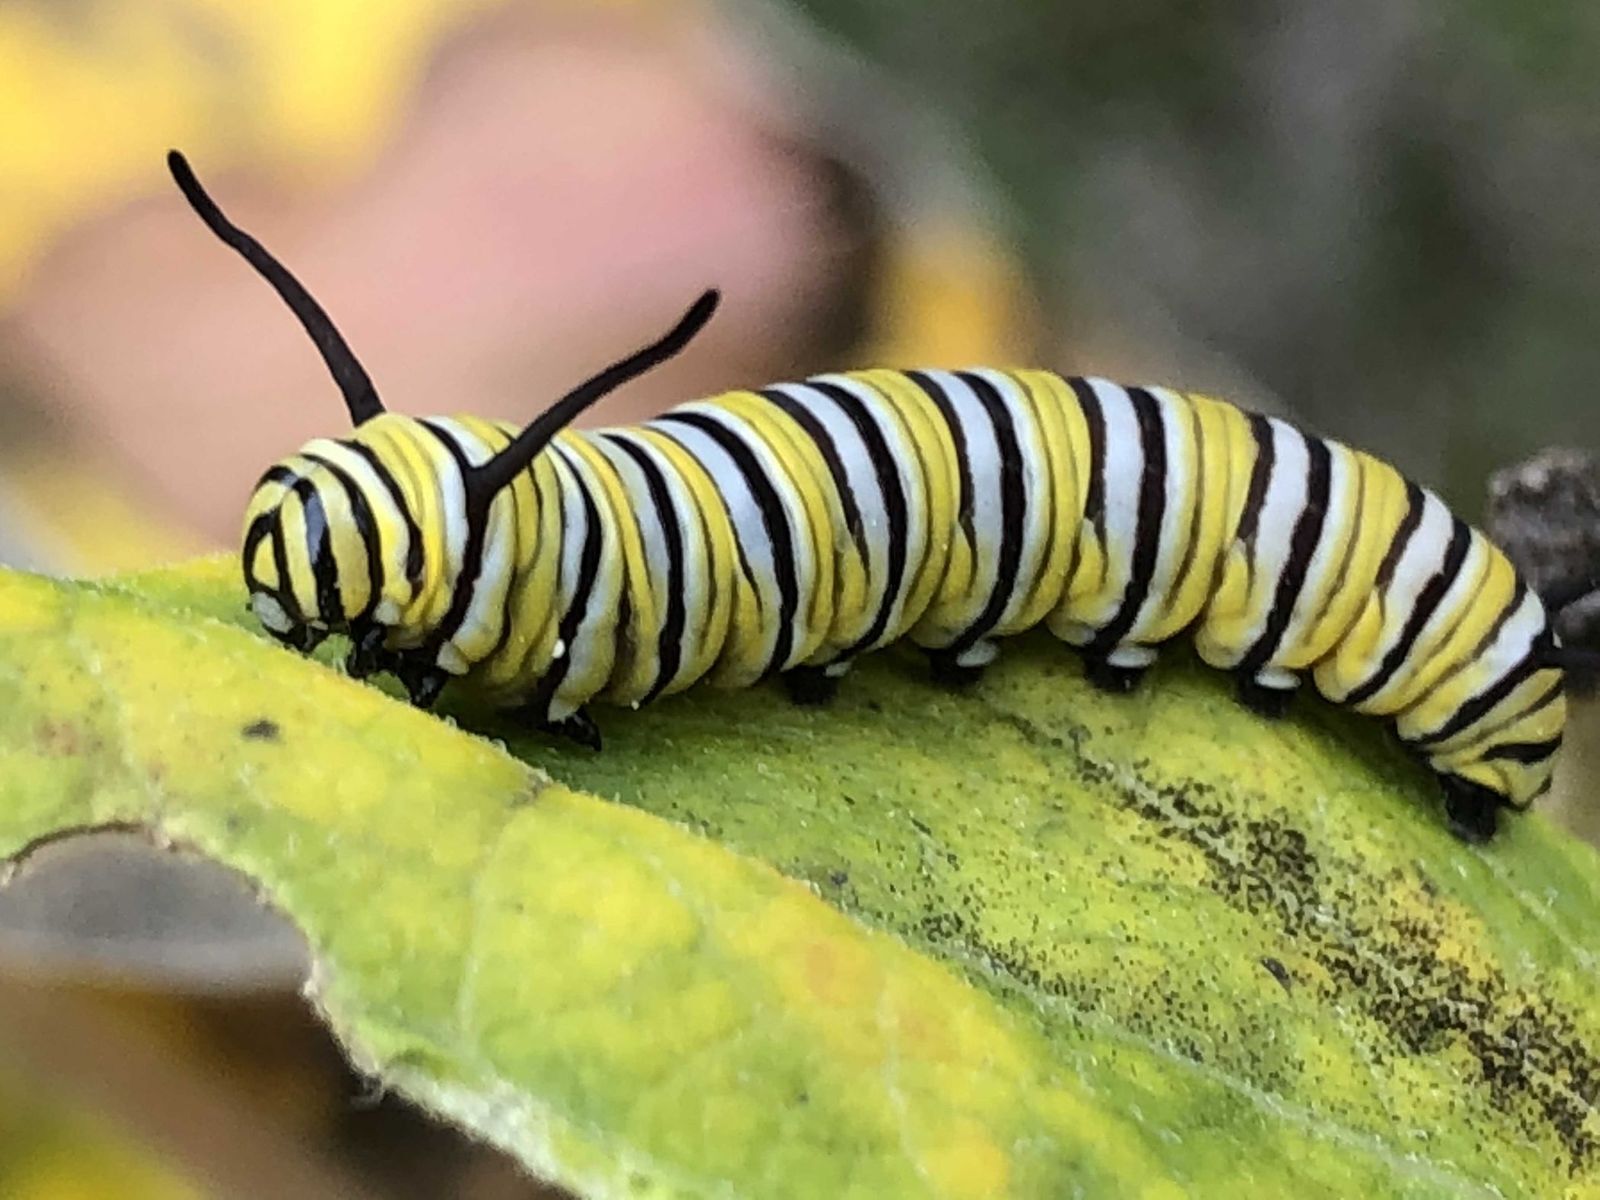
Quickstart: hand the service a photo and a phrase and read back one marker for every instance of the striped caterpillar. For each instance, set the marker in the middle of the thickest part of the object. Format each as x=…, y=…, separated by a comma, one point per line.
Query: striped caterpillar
x=792, y=529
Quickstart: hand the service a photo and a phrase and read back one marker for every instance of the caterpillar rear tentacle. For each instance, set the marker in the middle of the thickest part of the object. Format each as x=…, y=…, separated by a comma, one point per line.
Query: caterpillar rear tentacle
x=787, y=531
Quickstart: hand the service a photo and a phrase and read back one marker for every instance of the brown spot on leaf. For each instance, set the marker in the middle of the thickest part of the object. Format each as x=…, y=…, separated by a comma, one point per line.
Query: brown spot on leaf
x=62, y=739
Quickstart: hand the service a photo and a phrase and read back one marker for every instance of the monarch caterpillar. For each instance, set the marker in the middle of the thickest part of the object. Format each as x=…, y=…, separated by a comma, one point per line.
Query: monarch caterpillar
x=791, y=529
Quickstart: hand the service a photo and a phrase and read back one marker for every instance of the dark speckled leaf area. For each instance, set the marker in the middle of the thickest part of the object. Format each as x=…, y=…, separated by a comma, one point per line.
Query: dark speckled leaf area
x=1255, y=937
x=1229, y=956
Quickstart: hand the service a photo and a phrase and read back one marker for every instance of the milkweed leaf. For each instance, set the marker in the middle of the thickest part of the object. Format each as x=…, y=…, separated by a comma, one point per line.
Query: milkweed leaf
x=1028, y=940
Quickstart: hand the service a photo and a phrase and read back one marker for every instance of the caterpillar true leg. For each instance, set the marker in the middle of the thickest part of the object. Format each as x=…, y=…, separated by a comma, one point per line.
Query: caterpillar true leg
x=422, y=680
x=368, y=656
x=1120, y=669
x=303, y=638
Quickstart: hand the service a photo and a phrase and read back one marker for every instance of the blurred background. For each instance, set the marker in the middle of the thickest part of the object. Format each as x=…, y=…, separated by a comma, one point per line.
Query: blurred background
x=1376, y=217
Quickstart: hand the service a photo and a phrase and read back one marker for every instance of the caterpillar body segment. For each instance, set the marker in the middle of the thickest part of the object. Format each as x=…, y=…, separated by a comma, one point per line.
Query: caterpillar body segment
x=788, y=530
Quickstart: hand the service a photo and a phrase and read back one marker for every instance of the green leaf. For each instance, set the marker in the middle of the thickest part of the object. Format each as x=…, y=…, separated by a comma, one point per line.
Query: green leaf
x=1031, y=941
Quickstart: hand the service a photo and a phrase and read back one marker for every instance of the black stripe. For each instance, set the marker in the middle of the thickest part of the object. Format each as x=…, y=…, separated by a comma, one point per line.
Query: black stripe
x=466, y=583
x=1527, y=753
x=366, y=527
x=588, y=571
x=1094, y=500
x=1402, y=538
x=1427, y=601
x=1147, y=522
x=1260, y=477
x=259, y=528
x=934, y=392
x=278, y=473
x=271, y=522
x=1013, y=499
x=319, y=549
x=392, y=486
x=1046, y=502
x=508, y=603
x=669, y=645
x=1475, y=708
x=280, y=560
x=1302, y=549
x=1338, y=575
x=774, y=518
x=818, y=433
x=894, y=503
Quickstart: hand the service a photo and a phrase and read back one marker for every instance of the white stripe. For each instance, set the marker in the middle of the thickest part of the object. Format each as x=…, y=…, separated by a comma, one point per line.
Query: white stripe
x=1124, y=467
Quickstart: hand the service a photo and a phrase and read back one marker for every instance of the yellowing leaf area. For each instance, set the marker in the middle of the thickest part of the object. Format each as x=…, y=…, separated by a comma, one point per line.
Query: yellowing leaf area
x=1026, y=941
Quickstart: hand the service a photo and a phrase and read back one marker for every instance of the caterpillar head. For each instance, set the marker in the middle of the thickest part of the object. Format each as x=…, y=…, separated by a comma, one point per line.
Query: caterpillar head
x=330, y=544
